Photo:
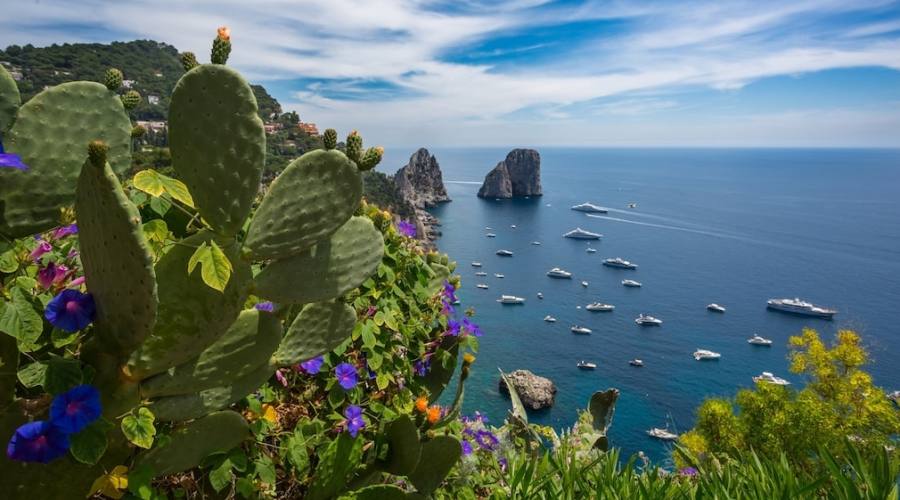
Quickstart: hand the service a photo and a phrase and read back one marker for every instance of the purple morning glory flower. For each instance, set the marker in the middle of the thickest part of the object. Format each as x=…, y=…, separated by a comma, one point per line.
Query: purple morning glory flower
x=466, y=447
x=503, y=464
x=11, y=160
x=471, y=327
x=71, y=310
x=312, y=366
x=38, y=441
x=452, y=328
x=406, y=228
x=265, y=306
x=447, y=308
x=64, y=231
x=76, y=282
x=487, y=440
x=422, y=366
x=41, y=248
x=52, y=275
x=688, y=472
x=449, y=291
x=355, y=421
x=346, y=375
x=74, y=409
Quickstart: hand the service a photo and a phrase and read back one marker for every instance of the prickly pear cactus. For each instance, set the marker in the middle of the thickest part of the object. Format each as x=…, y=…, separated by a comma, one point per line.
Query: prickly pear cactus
x=9, y=100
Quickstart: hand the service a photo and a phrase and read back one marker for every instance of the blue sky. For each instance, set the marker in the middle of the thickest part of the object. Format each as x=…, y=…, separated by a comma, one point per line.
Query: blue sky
x=537, y=72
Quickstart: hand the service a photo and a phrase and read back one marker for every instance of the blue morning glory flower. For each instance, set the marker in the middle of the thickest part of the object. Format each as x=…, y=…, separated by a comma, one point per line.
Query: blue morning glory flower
x=471, y=327
x=449, y=291
x=265, y=306
x=75, y=409
x=406, y=228
x=312, y=366
x=11, y=160
x=422, y=366
x=38, y=441
x=487, y=440
x=446, y=308
x=452, y=327
x=346, y=375
x=466, y=447
x=71, y=310
x=355, y=421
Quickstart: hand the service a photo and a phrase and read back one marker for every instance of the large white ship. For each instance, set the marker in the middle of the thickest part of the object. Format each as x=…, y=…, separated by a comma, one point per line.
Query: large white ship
x=559, y=273
x=797, y=306
x=620, y=263
x=589, y=208
x=581, y=234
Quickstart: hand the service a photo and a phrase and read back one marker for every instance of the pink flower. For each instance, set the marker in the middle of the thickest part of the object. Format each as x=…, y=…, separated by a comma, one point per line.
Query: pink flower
x=52, y=275
x=42, y=248
x=281, y=378
x=77, y=282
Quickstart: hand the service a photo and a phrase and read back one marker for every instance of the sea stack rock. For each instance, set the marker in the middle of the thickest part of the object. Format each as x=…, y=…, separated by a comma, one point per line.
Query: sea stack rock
x=536, y=392
x=516, y=176
x=420, y=182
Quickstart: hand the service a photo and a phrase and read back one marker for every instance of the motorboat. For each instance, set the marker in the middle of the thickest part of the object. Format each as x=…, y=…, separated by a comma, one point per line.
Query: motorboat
x=636, y=362
x=581, y=234
x=647, y=320
x=663, y=434
x=632, y=205
x=770, y=378
x=589, y=208
x=510, y=299
x=476, y=264
x=895, y=397
x=716, y=308
x=591, y=250
x=491, y=235
x=488, y=228
x=631, y=283
x=599, y=306
x=584, y=365
x=512, y=226
x=504, y=253
x=580, y=330
x=481, y=273
x=535, y=242
x=549, y=319
x=540, y=295
x=498, y=275
x=559, y=273
x=584, y=283
x=482, y=286
x=758, y=340
x=620, y=263
x=704, y=354
x=797, y=306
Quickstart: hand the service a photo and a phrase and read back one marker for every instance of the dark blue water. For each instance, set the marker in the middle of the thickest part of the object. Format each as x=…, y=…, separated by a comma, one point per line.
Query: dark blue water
x=736, y=227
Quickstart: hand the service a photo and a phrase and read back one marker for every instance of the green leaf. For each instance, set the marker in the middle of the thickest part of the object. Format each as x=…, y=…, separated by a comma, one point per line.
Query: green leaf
x=62, y=338
x=296, y=454
x=156, y=230
x=20, y=319
x=139, y=482
x=139, y=429
x=89, y=445
x=368, y=337
x=215, y=268
x=8, y=261
x=155, y=184
x=221, y=476
x=245, y=488
x=265, y=470
x=160, y=205
x=32, y=375
x=62, y=375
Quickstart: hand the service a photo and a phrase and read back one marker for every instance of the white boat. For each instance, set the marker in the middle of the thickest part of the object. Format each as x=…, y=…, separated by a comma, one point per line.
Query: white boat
x=559, y=273
x=498, y=275
x=757, y=340
x=584, y=365
x=581, y=234
x=540, y=295
x=663, y=434
x=895, y=397
x=631, y=283
x=512, y=226
x=716, y=308
x=549, y=319
x=504, y=253
x=599, y=306
x=591, y=250
x=476, y=264
x=632, y=205
x=584, y=283
x=482, y=286
x=797, y=306
x=647, y=320
x=535, y=242
x=636, y=362
x=488, y=228
x=589, y=208
x=491, y=235
x=770, y=378
x=704, y=354
x=580, y=330
x=620, y=263
x=510, y=299
x=481, y=273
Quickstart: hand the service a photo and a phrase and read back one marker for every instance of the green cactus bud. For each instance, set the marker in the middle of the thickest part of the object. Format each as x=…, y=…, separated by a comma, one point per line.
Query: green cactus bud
x=189, y=61
x=138, y=131
x=113, y=79
x=221, y=48
x=354, y=146
x=371, y=159
x=330, y=138
x=131, y=99
x=97, y=151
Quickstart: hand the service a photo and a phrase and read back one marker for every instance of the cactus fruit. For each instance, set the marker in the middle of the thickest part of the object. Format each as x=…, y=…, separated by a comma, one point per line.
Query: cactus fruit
x=113, y=79
x=221, y=48
x=216, y=432
x=189, y=61
x=371, y=158
x=329, y=138
x=131, y=99
x=354, y=146
x=9, y=100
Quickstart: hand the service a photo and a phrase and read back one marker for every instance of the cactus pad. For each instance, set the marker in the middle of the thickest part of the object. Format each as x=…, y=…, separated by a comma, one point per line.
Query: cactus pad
x=188, y=446
x=319, y=328
x=218, y=143
x=439, y=375
x=191, y=315
x=327, y=270
x=378, y=492
x=404, y=448
x=117, y=260
x=9, y=100
x=242, y=349
x=440, y=455
x=188, y=406
x=50, y=135
x=308, y=202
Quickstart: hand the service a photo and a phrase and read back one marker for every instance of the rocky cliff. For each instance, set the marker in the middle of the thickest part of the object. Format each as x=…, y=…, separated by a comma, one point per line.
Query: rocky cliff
x=420, y=184
x=518, y=175
x=536, y=392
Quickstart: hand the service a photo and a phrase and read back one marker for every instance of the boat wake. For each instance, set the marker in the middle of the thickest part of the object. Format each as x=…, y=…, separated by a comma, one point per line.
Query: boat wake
x=705, y=232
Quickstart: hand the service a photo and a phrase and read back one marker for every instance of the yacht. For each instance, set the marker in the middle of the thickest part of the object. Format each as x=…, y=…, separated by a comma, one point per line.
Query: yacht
x=512, y=226
x=481, y=273
x=770, y=378
x=549, y=319
x=631, y=283
x=702, y=354
x=589, y=208
x=584, y=365
x=757, y=340
x=663, y=434
x=581, y=234
x=584, y=283
x=504, y=253
x=482, y=286
x=600, y=306
x=510, y=299
x=476, y=264
x=488, y=228
x=632, y=205
x=491, y=235
x=591, y=250
x=535, y=242
x=620, y=263
x=559, y=273
x=540, y=295
x=716, y=308
x=797, y=306
x=498, y=275
x=647, y=320
x=580, y=330
x=895, y=397
x=636, y=362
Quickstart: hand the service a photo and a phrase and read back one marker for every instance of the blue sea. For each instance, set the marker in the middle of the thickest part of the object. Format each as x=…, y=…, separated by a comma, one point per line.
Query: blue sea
x=732, y=226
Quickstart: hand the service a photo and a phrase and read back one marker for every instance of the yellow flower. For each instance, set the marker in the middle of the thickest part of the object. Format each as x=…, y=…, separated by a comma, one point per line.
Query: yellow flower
x=468, y=358
x=224, y=33
x=422, y=404
x=270, y=414
x=112, y=485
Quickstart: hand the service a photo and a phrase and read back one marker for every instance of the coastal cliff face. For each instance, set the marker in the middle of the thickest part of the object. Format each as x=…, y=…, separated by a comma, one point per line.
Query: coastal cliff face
x=420, y=182
x=518, y=175
x=536, y=392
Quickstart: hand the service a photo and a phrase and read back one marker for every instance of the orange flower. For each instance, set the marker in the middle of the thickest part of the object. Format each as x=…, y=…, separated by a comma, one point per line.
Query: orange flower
x=434, y=413
x=422, y=404
x=224, y=33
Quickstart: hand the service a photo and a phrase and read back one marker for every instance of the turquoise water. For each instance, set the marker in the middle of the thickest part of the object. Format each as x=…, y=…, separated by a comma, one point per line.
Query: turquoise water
x=736, y=227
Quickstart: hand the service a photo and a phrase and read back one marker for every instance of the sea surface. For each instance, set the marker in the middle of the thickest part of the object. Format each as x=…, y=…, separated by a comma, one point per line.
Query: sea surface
x=732, y=226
